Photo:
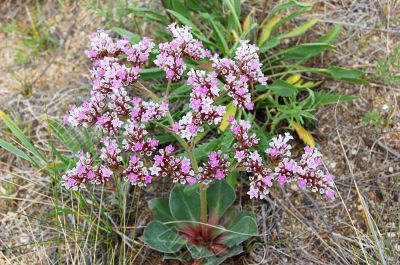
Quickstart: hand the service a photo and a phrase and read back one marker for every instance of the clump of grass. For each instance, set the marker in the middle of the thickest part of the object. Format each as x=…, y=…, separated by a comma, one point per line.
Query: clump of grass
x=389, y=68
x=35, y=35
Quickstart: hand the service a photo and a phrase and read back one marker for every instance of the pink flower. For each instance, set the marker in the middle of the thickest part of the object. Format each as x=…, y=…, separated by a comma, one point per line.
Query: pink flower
x=216, y=168
x=302, y=183
x=230, y=119
x=330, y=194
x=281, y=180
x=253, y=192
x=169, y=149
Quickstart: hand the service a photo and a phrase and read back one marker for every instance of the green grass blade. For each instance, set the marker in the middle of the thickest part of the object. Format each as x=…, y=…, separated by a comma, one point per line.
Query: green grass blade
x=17, y=132
x=18, y=152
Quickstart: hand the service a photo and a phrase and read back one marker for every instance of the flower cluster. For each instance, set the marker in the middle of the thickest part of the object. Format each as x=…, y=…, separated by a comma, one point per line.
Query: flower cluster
x=124, y=120
x=137, y=173
x=110, y=153
x=109, y=102
x=138, y=139
x=244, y=141
x=84, y=172
x=238, y=73
x=172, y=53
x=281, y=167
x=179, y=169
x=205, y=89
x=216, y=168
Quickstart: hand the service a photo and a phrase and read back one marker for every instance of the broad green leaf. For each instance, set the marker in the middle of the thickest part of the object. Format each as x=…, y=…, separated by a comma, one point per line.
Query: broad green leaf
x=267, y=29
x=184, y=206
x=304, y=135
x=18, y=133
x=199, y=252
x=282, y=88
x=220, y=196
x=231, y=252
x=230, y=111
x=160, y=237
x=160, y=209
x=18, y=152
x=134, y=38
x=324, y=98
x=243, y=227
x=299, y=30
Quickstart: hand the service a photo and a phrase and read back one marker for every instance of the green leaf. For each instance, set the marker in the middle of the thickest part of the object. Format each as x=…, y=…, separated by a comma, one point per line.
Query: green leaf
x=304, y=51
x=235, y=12
x=18, y=152
x=220, y=196
x=202, y=150
x=183, y=20
x=64, y=136
x=160, y=237
x=184, y=206
x=332, y=35
x=267, y=29
x=338, y=73
x=199, y=252
x=299, y=30
x=181, y=90
x=160, y=209
x=220, y=38
x=134, y=38
x=230, y=111
x=287, y=5
x=282, y=88
x=17, y=132
x=243, y=227
x=271, y=43
x=230, y=253
x=324, y=98
x=178, y=7
x=150, y=14
x=152, y=73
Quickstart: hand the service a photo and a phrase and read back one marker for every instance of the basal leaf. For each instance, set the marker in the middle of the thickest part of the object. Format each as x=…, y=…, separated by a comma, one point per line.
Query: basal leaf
x=220, y=196
x=160, y=209
x=243, y=227
x=160, y=237
x=184, y=206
